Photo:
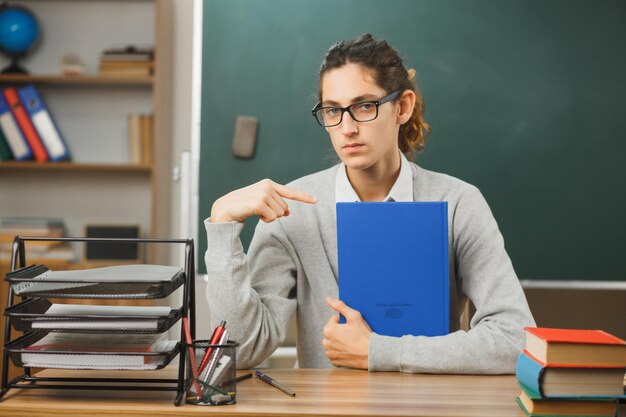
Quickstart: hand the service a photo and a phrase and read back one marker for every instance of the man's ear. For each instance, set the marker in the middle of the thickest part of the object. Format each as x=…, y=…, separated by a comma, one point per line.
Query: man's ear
x=405, y=109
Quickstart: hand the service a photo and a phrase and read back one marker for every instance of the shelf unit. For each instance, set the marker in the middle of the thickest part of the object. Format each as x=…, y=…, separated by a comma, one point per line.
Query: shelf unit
x=75, y=79
x=91, y=381
x=72, y=166
x=91, y=111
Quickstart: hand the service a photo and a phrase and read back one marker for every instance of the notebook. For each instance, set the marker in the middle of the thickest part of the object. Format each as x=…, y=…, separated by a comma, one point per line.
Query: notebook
x=393, y=265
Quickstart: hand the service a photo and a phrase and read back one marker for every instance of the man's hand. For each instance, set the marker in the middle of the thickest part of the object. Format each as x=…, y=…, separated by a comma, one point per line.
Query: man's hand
x=346, y=344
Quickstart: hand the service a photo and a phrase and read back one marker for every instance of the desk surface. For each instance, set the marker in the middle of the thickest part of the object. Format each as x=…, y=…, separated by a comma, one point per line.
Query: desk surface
x=320, y=392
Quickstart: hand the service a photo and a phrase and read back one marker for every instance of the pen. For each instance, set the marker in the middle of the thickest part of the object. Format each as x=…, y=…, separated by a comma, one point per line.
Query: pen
x=192, y=355
x=243, y=377
x=215, y=339
x=266, y=378
x=214, y=359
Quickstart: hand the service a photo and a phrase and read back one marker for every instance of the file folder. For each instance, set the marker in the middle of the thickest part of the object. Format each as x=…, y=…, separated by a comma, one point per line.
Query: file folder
x=393, y=265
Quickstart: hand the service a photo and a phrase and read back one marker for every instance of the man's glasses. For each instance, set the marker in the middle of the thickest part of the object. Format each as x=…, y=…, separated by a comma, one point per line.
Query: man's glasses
x=364, y=111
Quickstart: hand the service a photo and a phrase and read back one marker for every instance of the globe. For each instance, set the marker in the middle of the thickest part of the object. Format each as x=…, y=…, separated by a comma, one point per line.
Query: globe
x=19, y=33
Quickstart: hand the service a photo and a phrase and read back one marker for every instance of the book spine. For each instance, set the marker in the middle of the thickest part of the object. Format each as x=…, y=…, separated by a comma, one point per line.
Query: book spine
x=528, y=374
x=521, y=405
x=147, y=139
x=134, y=138
x=446, y=259
x=25, y=124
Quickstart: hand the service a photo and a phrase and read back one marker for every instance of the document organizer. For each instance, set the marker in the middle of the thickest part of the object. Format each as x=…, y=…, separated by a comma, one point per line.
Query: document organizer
x=30, y=316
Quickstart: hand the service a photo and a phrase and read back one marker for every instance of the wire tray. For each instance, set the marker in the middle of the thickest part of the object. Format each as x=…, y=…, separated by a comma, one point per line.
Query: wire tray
x=25, y=283
x=22, y=356
x=30, y=315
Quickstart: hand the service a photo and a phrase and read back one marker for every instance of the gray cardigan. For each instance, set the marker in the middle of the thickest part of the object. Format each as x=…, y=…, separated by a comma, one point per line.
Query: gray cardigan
x=291, y=267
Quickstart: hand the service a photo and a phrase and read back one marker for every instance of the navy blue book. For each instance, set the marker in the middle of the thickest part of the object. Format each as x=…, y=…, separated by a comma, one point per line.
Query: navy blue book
x=393, y=265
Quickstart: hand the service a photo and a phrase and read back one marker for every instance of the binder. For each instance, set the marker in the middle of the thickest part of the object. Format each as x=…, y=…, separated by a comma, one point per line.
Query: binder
x=44, y=125
x=26, y=126
x=393, y=265
x=5, y=151
x=12, y=133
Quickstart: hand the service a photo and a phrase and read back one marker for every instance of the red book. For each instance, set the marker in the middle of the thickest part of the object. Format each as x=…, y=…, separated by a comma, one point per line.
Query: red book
x=25, y=124
x=575, y=348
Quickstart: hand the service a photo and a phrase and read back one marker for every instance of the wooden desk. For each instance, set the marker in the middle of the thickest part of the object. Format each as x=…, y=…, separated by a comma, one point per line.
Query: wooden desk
x=320, y=392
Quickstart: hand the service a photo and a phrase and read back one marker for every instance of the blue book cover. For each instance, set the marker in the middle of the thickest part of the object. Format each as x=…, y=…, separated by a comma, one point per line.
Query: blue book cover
x=45, y=126
x=393, y=265
x=12, y=133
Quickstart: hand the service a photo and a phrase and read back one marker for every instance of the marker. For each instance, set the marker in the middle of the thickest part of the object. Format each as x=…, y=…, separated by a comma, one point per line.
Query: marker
x=266, y=378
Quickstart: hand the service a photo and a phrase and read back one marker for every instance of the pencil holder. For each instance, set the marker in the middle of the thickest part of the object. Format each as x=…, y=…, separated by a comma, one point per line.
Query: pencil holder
x=211, y=376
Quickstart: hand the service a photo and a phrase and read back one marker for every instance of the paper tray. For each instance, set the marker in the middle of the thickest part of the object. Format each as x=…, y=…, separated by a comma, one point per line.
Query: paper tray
x=25, y=283
x=31, y=315
x=61, y=359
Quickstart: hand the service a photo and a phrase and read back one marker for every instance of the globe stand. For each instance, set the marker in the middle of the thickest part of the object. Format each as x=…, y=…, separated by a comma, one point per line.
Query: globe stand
x=14, y=68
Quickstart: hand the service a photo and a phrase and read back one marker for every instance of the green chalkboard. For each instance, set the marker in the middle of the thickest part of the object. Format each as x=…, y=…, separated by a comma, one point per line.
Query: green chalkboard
x=526, y=98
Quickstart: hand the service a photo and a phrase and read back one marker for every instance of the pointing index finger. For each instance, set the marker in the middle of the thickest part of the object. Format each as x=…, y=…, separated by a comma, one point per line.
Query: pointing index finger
x=292, y=194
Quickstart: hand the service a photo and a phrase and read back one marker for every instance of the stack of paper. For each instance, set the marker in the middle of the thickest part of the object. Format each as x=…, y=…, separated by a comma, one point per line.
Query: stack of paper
x=59, y=280
x=95, y=314
x=97, y=351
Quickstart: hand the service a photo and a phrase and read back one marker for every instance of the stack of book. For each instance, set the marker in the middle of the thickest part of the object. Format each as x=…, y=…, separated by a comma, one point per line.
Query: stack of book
x=564, y=372
x=35, y=227
x=130, y=61
x=27, y=130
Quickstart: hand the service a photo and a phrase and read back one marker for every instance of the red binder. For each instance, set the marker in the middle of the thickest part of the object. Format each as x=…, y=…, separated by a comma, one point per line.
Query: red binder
x=25, y=124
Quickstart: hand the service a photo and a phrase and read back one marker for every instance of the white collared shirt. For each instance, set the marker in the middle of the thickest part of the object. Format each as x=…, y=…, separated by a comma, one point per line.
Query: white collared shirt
x=402, y=189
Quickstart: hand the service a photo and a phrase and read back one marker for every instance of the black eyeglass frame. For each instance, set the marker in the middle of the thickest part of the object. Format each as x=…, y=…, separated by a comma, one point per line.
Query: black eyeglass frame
x=377, y=103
